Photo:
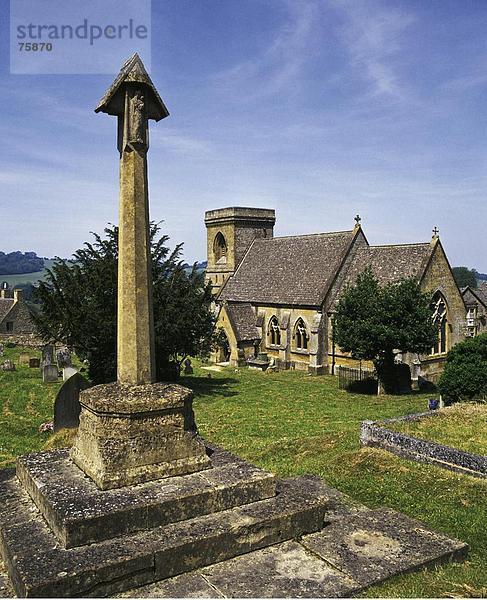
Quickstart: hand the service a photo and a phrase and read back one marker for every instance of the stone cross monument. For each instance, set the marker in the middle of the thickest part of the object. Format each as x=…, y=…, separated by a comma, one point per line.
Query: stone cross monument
x=135, y=430
x=134, y=100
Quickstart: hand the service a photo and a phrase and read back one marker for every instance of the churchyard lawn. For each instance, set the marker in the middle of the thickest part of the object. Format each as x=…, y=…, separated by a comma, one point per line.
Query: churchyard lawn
x=462, y=426
x=292, y=424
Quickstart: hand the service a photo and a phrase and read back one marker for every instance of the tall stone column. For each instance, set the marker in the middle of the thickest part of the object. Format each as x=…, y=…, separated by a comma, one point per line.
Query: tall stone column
x=135, y=430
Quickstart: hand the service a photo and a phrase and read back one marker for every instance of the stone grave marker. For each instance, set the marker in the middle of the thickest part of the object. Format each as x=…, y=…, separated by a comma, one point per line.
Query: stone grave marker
x=66, y=405
x=50, y=373
x=34, y=363
x=64, y=358
x=24, y=358
x=68, y=372
x=47, y=355
x=8, y=365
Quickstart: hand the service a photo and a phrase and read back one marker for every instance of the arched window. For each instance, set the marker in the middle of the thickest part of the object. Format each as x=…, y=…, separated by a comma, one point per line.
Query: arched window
x=274, y=332
x=220, y=248
x=440, y=318
x=300, y=336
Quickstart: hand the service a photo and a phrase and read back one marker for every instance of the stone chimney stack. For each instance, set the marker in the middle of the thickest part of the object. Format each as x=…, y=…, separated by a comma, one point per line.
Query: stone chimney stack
x=5, y=294
x=18, y=295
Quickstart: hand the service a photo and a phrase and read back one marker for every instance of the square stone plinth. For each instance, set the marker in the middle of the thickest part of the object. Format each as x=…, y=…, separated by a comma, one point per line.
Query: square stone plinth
x=132, y=434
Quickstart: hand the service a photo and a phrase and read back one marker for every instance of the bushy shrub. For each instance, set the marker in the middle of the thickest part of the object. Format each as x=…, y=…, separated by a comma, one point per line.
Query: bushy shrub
x=465, y=374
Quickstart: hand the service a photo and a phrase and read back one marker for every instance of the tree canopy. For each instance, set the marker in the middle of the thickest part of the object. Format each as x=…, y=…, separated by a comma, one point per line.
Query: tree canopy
x=17, y=262
x=375, y=322
x=465, y=276
x=79, y=306
x=465, y=373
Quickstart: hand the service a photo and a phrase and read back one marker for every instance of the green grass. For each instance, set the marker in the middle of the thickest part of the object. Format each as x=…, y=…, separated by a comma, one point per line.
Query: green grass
x=23, y=278
x=25, y=403
x=462, y=426
x=292, y=424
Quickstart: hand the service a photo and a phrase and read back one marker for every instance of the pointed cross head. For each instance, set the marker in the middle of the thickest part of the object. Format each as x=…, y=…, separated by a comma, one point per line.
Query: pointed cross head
x=357, y=219
x=436, y=231
x=133, y=75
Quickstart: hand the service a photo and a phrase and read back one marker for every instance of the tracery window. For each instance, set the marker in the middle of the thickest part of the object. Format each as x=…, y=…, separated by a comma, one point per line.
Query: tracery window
x=274, y=332
x=440, y=318
x=220, y=248
x=301, y=336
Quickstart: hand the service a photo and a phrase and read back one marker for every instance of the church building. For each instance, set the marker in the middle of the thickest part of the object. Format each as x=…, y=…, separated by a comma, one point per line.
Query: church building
x=276, y=295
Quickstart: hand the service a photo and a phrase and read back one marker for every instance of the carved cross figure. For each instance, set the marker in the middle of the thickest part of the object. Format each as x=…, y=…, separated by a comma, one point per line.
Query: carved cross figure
x=436, y=231
x=137, y=119
x=357, y=219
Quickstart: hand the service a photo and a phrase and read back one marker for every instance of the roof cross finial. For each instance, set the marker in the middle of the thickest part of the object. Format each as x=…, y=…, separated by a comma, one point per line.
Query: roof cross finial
x=436, y=231
x=357, y=219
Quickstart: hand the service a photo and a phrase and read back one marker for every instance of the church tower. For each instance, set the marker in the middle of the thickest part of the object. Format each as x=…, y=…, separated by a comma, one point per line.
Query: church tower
x=230, y=231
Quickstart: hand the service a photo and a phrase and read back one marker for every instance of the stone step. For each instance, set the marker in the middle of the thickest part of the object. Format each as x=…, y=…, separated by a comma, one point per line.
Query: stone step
x=39, y=567
x=79, y=513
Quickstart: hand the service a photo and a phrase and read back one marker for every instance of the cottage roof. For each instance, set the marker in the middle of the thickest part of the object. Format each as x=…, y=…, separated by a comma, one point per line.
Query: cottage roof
x=473, y=296
x=5, y=306
x=243, y=320
x=293, y=270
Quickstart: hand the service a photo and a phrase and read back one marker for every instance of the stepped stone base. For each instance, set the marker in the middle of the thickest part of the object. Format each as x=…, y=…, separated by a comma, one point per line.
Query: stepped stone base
x=221, y=532
x=79, y=513
x=129, y=434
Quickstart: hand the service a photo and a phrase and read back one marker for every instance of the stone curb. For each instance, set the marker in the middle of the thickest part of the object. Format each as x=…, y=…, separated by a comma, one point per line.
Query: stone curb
x=374, y=434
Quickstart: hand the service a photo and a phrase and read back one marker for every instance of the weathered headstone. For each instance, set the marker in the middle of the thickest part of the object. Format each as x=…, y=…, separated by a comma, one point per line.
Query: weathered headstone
x=68, y=372
x=24, y=358
x=50, y=373
x=8, y=365
x=66, y=405
x=47, y=355
x=34, y=363
x=188, y=368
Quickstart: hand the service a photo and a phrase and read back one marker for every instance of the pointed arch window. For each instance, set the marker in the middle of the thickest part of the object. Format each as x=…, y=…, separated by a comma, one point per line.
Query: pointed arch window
x=301, y=336
x=440, y=318
x=274, y=332
x=220, y=248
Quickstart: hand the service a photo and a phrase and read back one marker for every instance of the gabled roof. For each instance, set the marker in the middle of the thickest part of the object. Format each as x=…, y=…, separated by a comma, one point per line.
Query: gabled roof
x=471, y=295
x=5, y=306
x=294, y=270
x=390, y=264
x=242, y=318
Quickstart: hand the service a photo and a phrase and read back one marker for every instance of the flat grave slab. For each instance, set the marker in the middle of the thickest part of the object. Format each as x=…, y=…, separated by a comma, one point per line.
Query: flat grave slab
x=371, y=546
x=79, y=513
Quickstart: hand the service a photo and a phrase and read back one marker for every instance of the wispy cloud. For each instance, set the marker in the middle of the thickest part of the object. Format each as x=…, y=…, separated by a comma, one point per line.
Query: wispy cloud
x=282, y=61
x=373, y=36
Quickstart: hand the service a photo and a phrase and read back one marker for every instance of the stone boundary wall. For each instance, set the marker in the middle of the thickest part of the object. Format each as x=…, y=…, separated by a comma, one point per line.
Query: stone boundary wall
x=374, y=434
x=25, y=340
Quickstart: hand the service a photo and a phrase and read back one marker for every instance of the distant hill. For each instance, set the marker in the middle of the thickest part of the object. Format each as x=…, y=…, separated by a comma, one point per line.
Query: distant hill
x=20, y=262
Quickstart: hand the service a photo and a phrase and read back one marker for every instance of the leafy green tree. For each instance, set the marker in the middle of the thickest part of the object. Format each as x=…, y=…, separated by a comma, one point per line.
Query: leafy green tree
x=79, y=306
x=465, y=276
x=374, y=322
x=465, y=374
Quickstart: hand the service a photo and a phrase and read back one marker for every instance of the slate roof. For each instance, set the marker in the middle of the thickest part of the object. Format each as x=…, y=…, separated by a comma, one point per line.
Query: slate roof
x=243, y=319
x=389, y=263
x=472, y=296
x=294, y=270
x=5, y=306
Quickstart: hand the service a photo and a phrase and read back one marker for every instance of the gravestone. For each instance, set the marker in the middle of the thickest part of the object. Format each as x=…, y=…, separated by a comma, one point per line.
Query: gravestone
x=50, y=373
x=34, y=363
x=68, y=372
x=8, y=365
x=188, y=369
x=66, y=405
x=47, y=355
x=24, y=358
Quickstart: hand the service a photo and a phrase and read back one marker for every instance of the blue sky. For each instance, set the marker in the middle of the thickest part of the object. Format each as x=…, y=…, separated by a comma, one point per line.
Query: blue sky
x=317, y=108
